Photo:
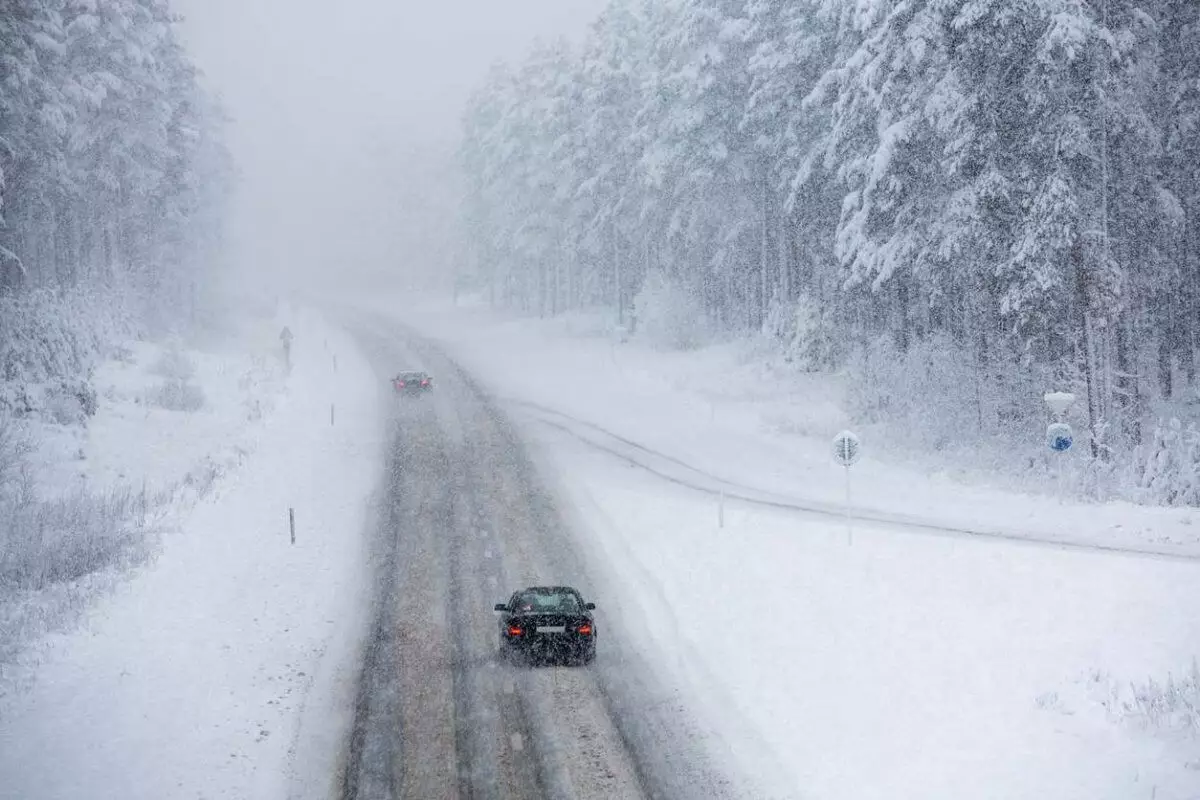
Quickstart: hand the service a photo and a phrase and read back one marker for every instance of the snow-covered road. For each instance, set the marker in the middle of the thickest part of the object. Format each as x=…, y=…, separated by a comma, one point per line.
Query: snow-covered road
x=467, y=521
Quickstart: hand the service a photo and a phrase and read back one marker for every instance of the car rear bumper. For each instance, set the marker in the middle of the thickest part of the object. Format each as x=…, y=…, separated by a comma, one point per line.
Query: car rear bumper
x=552, y=646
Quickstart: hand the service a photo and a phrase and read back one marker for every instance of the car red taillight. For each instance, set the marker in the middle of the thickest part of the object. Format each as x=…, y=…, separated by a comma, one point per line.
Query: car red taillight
x=514, y=630
x=585, y=629
x=399, y=384
x=424, y=383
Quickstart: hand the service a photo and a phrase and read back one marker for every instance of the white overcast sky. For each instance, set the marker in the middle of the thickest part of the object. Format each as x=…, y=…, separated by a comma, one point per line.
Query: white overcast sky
x=336, y=107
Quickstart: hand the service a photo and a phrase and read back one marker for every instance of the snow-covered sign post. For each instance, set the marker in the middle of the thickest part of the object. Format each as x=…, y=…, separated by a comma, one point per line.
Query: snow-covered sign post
x=286, y=337
x=1059, y=436
x=847, y=449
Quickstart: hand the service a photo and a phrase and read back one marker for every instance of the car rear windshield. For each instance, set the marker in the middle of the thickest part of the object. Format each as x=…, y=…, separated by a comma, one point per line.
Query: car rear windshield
x=548, y=602
x=412, y=376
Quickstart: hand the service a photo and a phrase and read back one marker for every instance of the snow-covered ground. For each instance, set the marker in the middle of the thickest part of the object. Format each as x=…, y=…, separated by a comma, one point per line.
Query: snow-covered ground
x=226, y=666
x=723, y=413
x=138, y=440
x=903, y=665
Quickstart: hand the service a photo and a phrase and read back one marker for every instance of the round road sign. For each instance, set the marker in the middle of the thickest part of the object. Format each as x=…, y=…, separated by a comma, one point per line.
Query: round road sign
x=846, y=448
x=1060, y=437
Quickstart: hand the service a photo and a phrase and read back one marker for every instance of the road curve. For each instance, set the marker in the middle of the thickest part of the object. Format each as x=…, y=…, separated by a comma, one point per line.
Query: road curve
x=465, y=519
x=681, y=473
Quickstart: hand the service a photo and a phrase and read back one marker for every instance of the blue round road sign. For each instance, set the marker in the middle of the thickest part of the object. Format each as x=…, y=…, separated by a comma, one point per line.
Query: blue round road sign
x=1060, y=437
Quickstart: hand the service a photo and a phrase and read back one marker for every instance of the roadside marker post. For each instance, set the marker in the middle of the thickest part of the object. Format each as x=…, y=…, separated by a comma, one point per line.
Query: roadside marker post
x=847, y=449
x=286, y=337
x=292, y=523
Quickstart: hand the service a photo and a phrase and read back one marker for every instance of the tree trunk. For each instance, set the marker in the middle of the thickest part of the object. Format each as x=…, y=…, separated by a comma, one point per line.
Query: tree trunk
x=618, y=299
x=1087, y=340
x=1127, y=389
x=903, y=317
x=1165, y=377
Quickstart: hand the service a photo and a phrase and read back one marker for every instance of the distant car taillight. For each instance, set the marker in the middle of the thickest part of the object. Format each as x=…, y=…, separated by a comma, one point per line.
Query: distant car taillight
x=399, y=384
x=514, y=630
x=424, y=383
x=585, y=629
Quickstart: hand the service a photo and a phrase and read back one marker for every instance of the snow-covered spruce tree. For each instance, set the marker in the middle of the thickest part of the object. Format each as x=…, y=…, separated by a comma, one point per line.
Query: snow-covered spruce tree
x=519, y=175
x=34, y=113
x=1177, y=92
x=612, y=74
x=703, y=184
x=112, y=172
x=794, y=44
x=1015, y=180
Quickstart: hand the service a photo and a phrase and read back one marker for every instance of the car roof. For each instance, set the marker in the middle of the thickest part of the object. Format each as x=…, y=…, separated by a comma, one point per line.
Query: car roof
x=549, y=590
x=412, y=373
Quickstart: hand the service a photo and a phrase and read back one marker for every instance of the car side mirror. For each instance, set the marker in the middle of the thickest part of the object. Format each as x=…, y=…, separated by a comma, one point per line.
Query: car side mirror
x=590, y=606
x=501, y=607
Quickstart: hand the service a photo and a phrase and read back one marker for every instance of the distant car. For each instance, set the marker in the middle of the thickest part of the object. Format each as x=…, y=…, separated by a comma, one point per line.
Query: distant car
x=547, y=623
x=412, y=382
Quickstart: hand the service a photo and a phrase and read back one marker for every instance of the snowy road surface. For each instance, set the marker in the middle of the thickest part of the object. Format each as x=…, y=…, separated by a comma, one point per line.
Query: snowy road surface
x=465, y=521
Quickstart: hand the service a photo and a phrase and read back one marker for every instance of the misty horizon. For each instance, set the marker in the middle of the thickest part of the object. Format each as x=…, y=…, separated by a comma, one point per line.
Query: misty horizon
x=344, y=126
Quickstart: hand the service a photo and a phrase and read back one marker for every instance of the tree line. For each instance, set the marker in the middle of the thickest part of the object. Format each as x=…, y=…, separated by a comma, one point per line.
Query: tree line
x=1015, y=181
x=112, y=171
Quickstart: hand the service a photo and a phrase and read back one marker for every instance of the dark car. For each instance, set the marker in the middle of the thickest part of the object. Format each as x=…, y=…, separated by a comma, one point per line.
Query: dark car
x=412, y=382
x=547, y=623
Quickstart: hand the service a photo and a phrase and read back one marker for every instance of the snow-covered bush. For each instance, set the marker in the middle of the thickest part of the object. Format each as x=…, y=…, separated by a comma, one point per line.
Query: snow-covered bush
x=14, y=447
x=804, y=334
x=935, y=396
x=1171, y=707
x=47, y=542
x=50, y=552
x=69, y=401
x=1170, y=471
x=177, y=392
x=49, y=343
x=175, y=364
x=925, y=395
x=179, y=395
x=668, y=315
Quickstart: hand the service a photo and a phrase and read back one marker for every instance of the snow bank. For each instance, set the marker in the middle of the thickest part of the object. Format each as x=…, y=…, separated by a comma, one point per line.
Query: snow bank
x=86, y=498
x=220, y=669
x=141, y=437
x=901, y=665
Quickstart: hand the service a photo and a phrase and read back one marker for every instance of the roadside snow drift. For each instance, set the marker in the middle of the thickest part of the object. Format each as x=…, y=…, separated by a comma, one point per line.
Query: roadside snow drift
x=898, y=666
x=223, y=668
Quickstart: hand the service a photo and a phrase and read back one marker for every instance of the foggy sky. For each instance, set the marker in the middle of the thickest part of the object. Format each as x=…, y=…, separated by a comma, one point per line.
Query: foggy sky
x=343, y=115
